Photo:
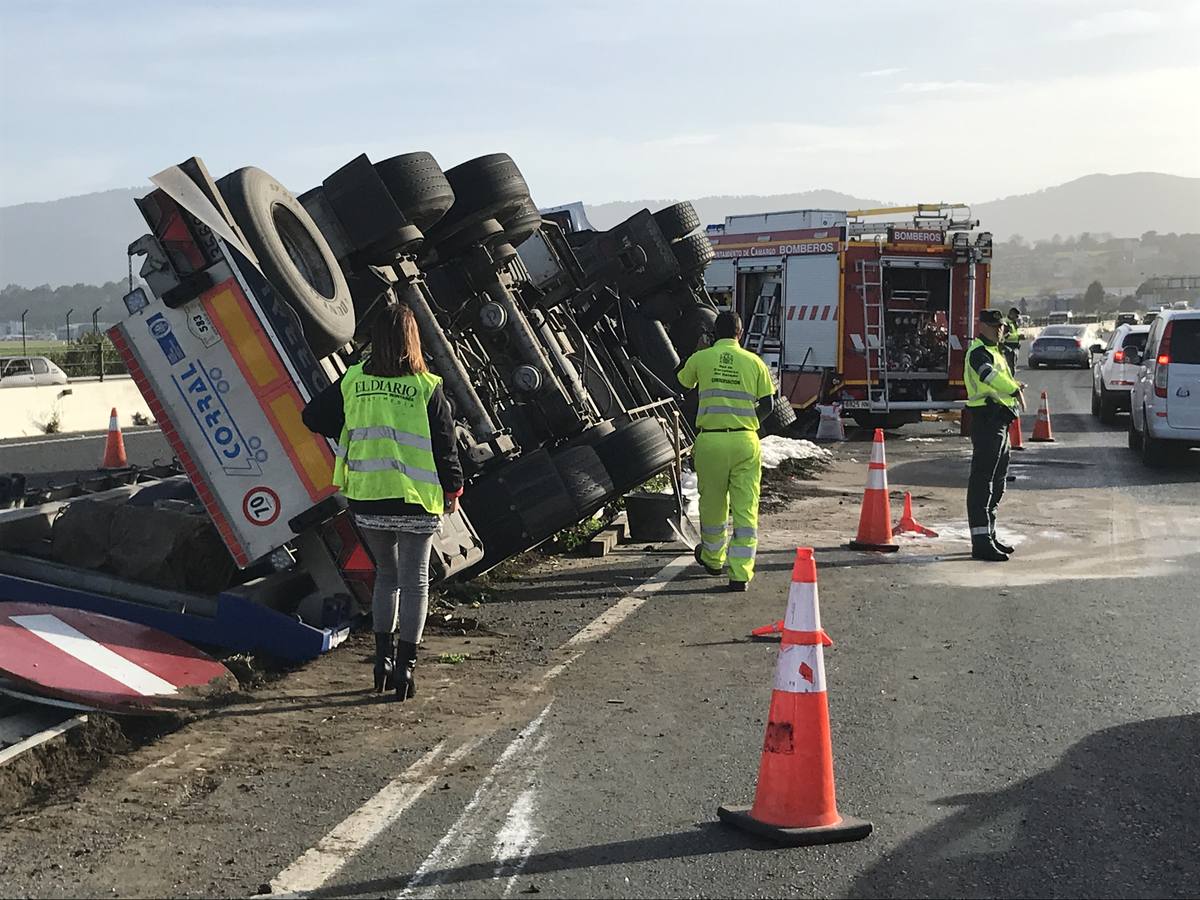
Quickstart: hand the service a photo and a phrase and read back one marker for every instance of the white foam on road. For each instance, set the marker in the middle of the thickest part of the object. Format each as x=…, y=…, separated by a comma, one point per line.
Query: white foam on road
x=776, y=449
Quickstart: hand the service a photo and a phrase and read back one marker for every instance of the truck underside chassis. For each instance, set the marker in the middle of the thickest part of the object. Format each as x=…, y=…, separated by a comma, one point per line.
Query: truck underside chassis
x=558, y=353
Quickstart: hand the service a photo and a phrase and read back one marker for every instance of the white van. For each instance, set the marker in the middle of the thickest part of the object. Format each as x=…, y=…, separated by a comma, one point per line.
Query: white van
x=1060, y=317
x=1165, y=399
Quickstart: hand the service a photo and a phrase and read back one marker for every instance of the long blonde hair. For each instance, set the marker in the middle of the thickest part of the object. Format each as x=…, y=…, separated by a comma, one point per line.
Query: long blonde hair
x=395, y=344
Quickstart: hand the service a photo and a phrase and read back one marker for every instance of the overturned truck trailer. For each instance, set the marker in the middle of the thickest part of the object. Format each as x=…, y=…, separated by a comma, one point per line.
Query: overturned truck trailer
x=557, y=348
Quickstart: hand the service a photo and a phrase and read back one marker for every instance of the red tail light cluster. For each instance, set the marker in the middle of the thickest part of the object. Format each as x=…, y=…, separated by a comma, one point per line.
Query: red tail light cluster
x=1119, y=356
x=1164, y=360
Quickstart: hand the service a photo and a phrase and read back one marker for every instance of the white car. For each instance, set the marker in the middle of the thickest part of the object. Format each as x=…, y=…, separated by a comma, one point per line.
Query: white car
x=29, y=371
x=1165, y=400
x=1112, y=375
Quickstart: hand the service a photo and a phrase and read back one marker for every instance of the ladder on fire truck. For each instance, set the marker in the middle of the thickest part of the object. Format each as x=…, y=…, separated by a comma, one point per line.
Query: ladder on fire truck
x=764, y=316
x=870, y=289
x=924, y=216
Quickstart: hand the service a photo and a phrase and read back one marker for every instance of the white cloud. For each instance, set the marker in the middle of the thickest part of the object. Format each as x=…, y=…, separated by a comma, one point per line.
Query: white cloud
x=942, y=87
x=1114, y=23
x=879, y=73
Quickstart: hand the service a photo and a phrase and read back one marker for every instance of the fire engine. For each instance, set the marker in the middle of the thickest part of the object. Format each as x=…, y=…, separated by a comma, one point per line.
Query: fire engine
x=872, y=309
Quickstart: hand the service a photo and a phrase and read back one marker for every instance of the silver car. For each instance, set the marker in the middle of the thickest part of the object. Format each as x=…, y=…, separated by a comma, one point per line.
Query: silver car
x=1062, y=345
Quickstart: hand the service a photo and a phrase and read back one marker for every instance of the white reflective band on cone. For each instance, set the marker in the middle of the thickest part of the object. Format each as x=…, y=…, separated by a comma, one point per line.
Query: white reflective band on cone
x=801, y=669
x=802, y=611
x=876, y=480
x=877, y=454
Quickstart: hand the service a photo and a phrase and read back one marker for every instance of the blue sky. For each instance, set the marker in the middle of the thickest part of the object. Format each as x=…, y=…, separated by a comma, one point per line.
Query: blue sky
x=902, y=100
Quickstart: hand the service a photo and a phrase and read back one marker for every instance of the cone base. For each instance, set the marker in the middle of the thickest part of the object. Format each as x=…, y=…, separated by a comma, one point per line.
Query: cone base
x=1040, y=441
x=849, y=829
x=881, y=548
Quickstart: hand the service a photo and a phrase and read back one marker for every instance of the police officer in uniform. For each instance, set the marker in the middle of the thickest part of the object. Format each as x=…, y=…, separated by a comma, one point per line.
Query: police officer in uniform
x=1012, y=338
x=736, y=392
x=994, y=398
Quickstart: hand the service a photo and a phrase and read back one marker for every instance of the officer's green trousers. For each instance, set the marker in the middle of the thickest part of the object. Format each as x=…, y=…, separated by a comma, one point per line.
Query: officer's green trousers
x=728, y=468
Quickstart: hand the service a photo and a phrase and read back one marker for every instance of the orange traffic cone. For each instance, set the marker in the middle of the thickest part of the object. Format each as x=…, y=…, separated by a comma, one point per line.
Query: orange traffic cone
x=1041, y=428
x=908, y=523
x=875, y=521
x=794, y=803
x=114, y=446
x=1015, y=442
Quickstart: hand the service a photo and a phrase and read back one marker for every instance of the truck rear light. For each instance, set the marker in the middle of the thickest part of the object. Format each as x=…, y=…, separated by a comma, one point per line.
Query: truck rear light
x=1078, y=342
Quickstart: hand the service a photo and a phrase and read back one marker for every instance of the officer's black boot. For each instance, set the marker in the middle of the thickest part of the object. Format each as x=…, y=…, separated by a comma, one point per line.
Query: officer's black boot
x=384, y=663
x=1003, y=548
x=983, y=548
x=406, y=660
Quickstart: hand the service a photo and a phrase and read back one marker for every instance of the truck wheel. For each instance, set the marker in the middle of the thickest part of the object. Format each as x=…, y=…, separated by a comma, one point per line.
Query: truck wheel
x=778, y=419
x=518, y=506
x=419, y=187
x=522, y=224
x=635, y=453
x=293, y=255
x=677, y=221
x=488, y=187
x=686, y=332
x=585, y=477
x=693, y=253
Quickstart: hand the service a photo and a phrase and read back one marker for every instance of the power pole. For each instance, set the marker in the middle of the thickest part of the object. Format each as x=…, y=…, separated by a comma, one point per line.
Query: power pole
x=24, y=343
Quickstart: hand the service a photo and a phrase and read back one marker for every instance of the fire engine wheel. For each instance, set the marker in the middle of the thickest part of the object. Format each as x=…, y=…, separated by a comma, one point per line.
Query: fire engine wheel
x=419, y=187
x=693, y=253
x=293, y=255
x=521, y=225
x=585, y=477
x=635, y=453
x=488, y=187
x=677, y=221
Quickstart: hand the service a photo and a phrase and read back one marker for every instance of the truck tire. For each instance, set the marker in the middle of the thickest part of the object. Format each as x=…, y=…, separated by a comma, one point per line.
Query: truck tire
x=419, y=187
x=585, y=477
x=293, y=255
x=677, y=221
x=635, y=453
x=518, y=506
x=522, y=224
x=693, y=330
x=693, y=253
x=779, y=419
x=487, y=187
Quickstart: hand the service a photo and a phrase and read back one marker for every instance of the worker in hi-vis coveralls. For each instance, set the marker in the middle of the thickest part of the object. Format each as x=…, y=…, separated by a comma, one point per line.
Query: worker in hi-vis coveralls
x=736, y=392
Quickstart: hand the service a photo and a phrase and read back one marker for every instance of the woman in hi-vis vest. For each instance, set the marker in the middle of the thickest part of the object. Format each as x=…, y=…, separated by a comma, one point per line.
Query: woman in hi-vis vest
x=398, y=465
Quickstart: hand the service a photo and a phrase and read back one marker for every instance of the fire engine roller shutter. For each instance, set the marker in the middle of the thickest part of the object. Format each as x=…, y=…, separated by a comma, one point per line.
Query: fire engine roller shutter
x=810, y=310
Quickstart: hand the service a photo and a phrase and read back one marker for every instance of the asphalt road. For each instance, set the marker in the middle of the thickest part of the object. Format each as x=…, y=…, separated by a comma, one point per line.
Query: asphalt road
x=62, y=458
x=1027, y=729
x=1024, y=729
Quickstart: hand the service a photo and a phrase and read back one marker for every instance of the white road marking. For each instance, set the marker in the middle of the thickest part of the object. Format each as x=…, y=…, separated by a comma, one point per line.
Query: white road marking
x=320, y=863
x=69, y=640
x=82, y=437
x=516, y=839
x=313, y=869
x=518, y=759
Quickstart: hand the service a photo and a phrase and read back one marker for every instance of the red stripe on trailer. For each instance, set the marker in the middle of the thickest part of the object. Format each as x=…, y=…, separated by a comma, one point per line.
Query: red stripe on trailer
x=791, y=313
x=825, y=313
x=803, y=309
x=812, y=315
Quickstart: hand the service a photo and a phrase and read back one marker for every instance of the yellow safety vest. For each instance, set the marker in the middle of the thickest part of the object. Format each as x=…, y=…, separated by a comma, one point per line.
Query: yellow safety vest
x=385, y=451
x=731, y=381
x=1012, y=335
x=995, y=385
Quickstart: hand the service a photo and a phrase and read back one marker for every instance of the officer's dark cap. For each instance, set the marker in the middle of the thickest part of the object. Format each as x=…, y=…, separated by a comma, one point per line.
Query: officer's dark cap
x=991, y=316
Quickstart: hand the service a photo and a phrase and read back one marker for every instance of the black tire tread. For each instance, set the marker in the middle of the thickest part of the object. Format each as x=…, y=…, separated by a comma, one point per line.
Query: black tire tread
x=677, y=221
x=693, y=253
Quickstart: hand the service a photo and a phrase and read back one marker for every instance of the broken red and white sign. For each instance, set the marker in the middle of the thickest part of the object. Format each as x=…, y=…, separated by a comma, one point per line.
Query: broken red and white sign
x=103, y=662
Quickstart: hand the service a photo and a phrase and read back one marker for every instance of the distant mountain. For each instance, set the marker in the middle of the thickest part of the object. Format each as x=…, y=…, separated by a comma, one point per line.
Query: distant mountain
x=1121, y=205
x=83, y=239
x=69, y=241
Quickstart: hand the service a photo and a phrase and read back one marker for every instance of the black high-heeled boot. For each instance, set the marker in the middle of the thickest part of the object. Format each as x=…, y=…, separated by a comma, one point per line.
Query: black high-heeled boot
x=406, y=661
x=385, y=666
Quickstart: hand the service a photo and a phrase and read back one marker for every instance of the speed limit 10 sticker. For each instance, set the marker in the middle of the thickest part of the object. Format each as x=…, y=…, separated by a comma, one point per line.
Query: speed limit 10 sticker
x=261, y=506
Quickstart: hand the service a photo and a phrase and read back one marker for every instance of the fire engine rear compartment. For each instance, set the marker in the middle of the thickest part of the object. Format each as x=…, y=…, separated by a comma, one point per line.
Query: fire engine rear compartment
x=916, y=317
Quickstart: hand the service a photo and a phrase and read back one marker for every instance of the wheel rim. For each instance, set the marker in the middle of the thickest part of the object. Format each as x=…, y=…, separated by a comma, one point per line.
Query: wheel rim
x=303, y=251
